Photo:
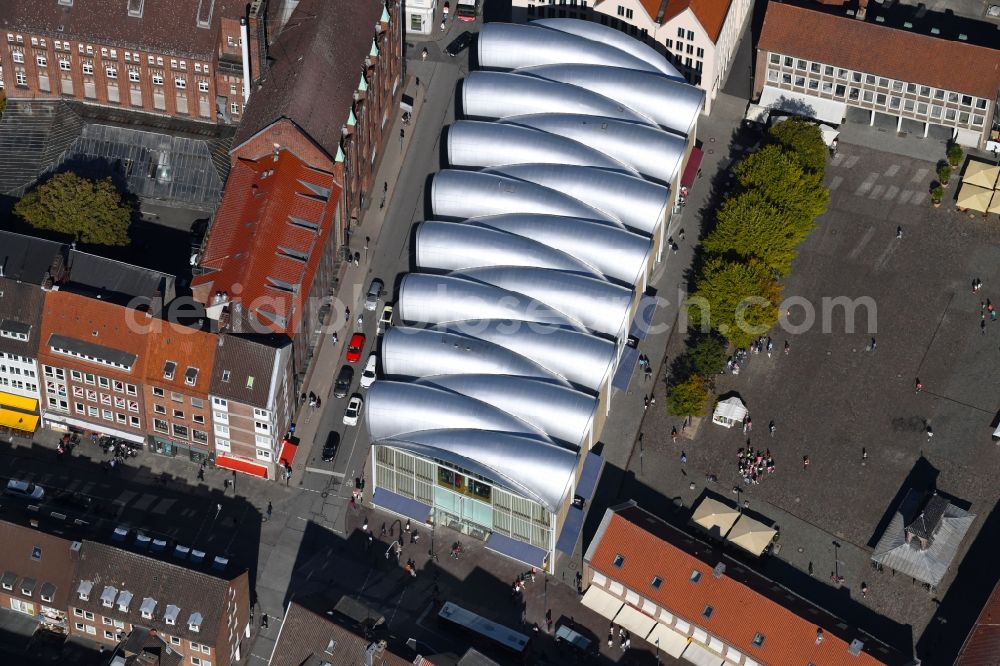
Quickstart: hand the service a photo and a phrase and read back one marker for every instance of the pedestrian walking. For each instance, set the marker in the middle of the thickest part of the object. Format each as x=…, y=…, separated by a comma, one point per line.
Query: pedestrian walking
x=225, y=484
x=805, y=462
x=874, y=345
x=673, y=434
x=645, y=401
x=864, y=590
x=993, y=315
x=982, y=326
x=681, y=234
x=770, y=426
x=201, y=474
x=357, y=258
x=270, y=509
x=919, y=385
x=364, y=526
x=333, y=337
x=930, y=431
x=382, y=532
x=319, y=402
x=864, y=455
x=263, y=621
x=385, y=184
x=402, y=135
x=787, y=347
x=675, y=247
x=684, y=457
x=899, y=232
x=649, y=373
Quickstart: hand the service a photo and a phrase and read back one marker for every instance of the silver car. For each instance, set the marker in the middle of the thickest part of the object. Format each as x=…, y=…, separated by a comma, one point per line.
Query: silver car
x=24, y=490
x=374, y=293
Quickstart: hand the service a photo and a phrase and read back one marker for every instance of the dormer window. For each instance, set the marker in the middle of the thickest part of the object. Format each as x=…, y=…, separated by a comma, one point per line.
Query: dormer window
x=108, y=596
x=194, y=622
x=168, y=369
x=84, y=590
x=28, y=587
x=124, y=599
x=146, y=609
x=191, y=376
x=618, y=561
x=170, y=615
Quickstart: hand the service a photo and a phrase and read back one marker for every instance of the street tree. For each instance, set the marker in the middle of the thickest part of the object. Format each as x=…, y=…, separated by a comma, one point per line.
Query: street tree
x=749, y=225
x=708, y=354
x=781, y=179
x=738, y=299
x=805, y=140
x=689, y=397
x=92, y=211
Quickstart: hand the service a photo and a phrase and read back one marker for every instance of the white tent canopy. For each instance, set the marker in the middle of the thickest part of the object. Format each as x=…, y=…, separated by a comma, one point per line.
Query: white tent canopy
x=635, y=621
x=667, y=639
x=701, y=656
x=729, y=412
x=601, y=602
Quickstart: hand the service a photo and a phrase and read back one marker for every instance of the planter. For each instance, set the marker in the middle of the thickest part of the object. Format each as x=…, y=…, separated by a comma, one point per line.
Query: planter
x=936, y=204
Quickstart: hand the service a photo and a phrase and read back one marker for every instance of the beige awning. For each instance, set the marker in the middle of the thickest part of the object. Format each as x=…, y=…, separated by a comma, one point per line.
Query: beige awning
x=701, y=656
x=973, y=197
x=668, y=640
x=751, y=535
x=601, y=602
x=995, y=205
x=635, y=621
x=981, y=174
x=715, y=516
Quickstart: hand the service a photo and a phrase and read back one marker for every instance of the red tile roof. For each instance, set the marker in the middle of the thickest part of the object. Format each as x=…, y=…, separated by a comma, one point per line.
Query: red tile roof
x=877, y=49
x=187, y=348
x=261, y=250
x=740, y=611
x=982, y=647
x=710, y=13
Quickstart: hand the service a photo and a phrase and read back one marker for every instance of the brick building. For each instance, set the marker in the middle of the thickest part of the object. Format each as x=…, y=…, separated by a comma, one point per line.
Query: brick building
x=252, y=405
x=37, y=574
x=184, y=58
x=176, y=389
x=685, y=598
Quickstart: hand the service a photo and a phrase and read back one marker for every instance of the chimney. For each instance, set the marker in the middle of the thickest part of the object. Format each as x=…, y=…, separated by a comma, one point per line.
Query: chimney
x=236, y=319
x=819, y=635
x=245, y=53
x=862, y=10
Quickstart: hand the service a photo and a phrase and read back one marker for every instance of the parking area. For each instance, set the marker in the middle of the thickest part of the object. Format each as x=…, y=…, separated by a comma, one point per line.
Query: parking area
x=854, y=411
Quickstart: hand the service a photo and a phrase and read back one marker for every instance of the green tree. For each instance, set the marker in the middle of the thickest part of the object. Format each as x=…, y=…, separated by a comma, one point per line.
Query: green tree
x=689, y=397
x=805, y=140
x=708, y=354
x=955, y=154
x=90, y=210
x=944, y=174
x=749, y=225
x=781, y=179
x=737, y=299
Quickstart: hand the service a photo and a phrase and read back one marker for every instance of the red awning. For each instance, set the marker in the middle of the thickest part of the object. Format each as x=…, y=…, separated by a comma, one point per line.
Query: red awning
x=691, y=170
x=287, y=454
x=245, y=466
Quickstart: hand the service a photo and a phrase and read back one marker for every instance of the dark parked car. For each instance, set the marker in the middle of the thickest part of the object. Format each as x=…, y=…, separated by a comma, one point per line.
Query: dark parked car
x=343, y=383
x=331, y=446
x=458, y=44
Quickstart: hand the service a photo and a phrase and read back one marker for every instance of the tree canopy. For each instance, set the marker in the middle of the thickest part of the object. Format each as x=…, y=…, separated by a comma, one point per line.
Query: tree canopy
x=738, y=299
x=708, y=354
x=781, y=179
x=90, y=210
x=805, y=140
x=750, y=225
x=689, y=397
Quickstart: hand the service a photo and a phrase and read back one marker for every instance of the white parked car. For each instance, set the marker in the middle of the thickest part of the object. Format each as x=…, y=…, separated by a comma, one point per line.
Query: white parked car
x=24, y=490
x=368, y=374
x=353, y=411
x=385, y=320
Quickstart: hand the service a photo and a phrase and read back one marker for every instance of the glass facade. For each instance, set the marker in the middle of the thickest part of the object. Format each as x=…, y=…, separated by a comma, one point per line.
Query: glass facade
x=463, y=500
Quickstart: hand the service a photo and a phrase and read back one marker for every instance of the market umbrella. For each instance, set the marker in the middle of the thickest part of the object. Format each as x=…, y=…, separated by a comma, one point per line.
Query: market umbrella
x=995, y=205
x=751, y=535
x=981, y=174
x=714, y=515
x=973, y=197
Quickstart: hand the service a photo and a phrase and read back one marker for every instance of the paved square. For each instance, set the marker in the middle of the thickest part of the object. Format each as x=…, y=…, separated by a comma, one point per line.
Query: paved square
x=830, y=398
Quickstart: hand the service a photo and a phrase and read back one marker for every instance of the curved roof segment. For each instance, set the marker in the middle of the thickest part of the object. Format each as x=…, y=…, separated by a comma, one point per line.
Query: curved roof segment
x=509, y=46
x=616, y=253
x=419, y=352
x=450, y=246
x=599, y=305
x=464, y=194
x=649, y=150
x=673, y=105
x=562, y=413
x=639, y=204
x=612, y=37
x=584, y=360
x=473, y=143
x=439, y=299
x=500, y=94
x=397, y=408
x=529, y=467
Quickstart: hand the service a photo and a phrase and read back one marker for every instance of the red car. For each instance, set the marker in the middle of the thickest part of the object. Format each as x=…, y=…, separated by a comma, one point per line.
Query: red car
x=354, y=347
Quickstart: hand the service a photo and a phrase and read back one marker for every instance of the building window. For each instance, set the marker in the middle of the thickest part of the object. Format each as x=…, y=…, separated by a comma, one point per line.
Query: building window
x=758, y=639
x=220, y=402
x=263, y=454
x=134, y=421
x=180, y=83
x=133, y=76
x=18, y=57
x=173, y=64
x=234, y=108
x=159, y=409
x=618, y=561
x=157, y=79
x=42, y=61
x=223, y=445
x=775, y=58
x=160, y=425
x=88, y=69
x=180, y=431
x=130, y=389
x=65, y=64
x=203, y=86
x=199, y=436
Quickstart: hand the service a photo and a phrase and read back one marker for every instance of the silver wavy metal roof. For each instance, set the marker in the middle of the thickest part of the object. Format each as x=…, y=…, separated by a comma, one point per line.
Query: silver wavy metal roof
x=412, y=353
x=600, y=306
x=652, y=152
x=560, y=412
x=439, y=299
x=618, y=254
x=510, y=46
x=452, y=246
x=500, y=94
x=672, y=104
x=475, y=143
x=640, y=205
x=527, y=466
x=460, y=195
x=612, y=37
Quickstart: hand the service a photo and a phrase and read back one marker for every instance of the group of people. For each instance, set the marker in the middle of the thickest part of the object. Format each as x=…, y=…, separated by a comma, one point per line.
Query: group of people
x=754, y=464
x=624, y=637
x=762, y=344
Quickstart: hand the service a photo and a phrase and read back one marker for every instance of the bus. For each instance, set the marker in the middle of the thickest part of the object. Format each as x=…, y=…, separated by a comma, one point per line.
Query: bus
x=483, y=632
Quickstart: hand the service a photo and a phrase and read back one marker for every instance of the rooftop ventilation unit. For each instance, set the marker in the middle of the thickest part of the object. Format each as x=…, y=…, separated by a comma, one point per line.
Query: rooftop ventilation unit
x=134, y=7
x=719, y=569
x=855, y=647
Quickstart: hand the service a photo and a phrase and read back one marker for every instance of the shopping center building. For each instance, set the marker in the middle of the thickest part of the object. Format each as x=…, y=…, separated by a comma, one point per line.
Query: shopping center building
x=529, y=285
